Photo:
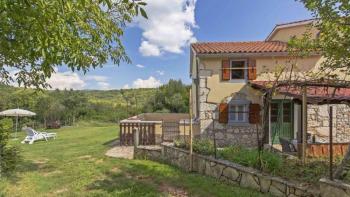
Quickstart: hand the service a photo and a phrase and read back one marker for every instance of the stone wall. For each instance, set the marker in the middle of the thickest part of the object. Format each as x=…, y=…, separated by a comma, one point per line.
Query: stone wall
x=334, y=188
x=232, y=173
x=318, y=122
x=225, y=134
x=148, y=152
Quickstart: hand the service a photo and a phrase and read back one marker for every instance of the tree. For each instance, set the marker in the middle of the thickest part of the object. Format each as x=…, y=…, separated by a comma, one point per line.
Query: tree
x=9, y=156
x=37, y=36
x=333, y=41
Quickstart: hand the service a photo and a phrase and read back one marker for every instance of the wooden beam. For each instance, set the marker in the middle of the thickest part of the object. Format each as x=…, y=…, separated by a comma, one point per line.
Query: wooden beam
x=191, y=148
x=304, y=129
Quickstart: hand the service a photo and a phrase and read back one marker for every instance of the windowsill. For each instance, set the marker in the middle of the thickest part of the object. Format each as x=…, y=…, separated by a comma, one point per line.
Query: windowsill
x=238, y=124
x=238, y=81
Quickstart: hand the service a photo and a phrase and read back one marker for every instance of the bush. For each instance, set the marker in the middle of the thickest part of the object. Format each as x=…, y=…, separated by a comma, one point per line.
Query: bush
x=250, y=157
x=9, y=155
x=201, y=145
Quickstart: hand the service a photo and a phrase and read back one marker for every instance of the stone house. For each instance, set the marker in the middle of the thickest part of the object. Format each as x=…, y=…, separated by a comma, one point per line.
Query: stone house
x=228, y=88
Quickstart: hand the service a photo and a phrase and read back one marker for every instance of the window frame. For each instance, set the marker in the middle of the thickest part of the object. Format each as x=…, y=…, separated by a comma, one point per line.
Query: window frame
x=237, y=103
x=245, y=68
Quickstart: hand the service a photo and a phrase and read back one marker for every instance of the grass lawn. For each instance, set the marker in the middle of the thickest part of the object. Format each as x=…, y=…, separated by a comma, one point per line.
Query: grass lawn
x=74, y=165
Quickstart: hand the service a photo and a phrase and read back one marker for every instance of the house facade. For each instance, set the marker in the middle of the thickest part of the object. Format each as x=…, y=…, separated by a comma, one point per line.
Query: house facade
x=227, y=94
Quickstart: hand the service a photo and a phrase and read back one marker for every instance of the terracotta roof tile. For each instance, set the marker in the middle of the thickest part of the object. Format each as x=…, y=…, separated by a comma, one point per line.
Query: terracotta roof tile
x=239, y=47
x=314, y=94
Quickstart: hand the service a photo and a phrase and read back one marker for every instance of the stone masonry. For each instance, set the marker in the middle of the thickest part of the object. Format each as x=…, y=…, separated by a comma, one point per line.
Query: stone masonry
x=318, y=122
x=225, y=134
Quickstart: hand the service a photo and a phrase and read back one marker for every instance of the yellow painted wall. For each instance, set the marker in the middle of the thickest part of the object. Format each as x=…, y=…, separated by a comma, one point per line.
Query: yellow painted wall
x=286, y=34
x=219, y=89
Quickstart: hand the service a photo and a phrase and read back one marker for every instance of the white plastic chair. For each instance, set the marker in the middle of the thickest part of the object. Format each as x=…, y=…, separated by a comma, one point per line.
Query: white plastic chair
x=33, y=135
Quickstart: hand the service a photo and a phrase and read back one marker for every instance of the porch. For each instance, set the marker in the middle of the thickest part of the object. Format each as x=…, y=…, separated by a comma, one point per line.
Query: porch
x=308, y=110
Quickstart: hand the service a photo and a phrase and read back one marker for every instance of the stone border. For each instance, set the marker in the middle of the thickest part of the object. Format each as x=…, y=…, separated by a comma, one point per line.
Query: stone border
x=226, y=171
x=334, y=188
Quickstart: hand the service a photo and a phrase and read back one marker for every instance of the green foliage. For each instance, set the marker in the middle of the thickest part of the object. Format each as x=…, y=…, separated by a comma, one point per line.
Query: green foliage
x=203, y=146
x=171, y=97
x=250, y=157
x=333, y=42
x=36, y=36
x=68, y=106
x=9, y=155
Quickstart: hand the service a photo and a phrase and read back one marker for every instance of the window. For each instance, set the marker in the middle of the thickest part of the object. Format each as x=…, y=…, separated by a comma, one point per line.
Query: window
x=238, y=69
x=238, y=113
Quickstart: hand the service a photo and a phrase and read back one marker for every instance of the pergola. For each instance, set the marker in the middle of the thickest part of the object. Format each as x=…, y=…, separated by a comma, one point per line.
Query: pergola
x=311, y=92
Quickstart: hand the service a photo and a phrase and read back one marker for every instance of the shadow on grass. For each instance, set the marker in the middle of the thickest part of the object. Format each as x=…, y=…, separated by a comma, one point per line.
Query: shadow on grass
x=111, y=143
x=152, y=177
x=27, y=166
x=123, y=184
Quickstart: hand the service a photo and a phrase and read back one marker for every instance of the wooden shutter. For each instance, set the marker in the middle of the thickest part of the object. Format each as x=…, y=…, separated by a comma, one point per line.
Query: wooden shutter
x=251, y=69
x=254, y=113
x=225, y=70
x=223, y=113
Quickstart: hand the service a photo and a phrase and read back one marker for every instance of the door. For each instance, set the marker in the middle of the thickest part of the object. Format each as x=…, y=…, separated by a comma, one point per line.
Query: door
x=170, y=131
x=281, y=120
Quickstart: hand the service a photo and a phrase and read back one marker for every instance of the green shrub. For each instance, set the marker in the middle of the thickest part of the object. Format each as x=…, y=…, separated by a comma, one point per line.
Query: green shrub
x=270, y=162
x=201, y=145
x=9, y=155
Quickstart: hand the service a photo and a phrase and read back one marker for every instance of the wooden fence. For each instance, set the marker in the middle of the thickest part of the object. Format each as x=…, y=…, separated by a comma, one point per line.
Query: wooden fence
x=146, y=133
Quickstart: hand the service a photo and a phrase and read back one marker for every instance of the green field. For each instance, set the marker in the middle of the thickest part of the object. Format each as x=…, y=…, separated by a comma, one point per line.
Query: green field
x=74, y=165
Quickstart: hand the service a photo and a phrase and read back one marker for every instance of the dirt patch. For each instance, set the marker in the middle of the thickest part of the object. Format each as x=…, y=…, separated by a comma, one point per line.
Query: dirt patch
x=99, y=161
x=85, y=157
x=115, y=170
x=126, y=152
x=60, y=191
x=173, y=191
x=52, y=173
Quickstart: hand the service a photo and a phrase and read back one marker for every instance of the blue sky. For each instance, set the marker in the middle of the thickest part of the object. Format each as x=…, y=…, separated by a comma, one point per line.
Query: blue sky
x=160, y=45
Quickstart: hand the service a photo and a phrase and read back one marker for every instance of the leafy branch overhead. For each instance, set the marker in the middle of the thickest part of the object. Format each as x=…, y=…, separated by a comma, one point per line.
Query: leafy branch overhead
x=333, y=41
x=38, y=35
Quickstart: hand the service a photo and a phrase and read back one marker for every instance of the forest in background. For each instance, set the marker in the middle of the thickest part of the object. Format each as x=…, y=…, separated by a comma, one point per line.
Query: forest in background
x=70, y=106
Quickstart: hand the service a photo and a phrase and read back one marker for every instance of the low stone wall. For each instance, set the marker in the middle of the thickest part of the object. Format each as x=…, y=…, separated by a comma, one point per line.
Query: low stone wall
x=334, y=188
x=231, y=173
x=148, y=152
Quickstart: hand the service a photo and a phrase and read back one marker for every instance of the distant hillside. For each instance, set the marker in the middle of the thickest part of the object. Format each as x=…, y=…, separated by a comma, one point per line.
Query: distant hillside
x=68, y=106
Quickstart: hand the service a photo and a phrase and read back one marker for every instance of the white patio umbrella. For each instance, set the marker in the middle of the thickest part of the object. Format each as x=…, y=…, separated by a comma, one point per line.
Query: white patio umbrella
x=17, y=113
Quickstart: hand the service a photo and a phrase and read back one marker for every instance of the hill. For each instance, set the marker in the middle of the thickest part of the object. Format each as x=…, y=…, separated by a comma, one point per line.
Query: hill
x=68, y=106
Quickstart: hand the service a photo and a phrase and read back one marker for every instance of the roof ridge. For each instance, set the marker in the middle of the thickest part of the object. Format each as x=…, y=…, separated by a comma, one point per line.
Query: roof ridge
x=299, y=21
x=238, y=42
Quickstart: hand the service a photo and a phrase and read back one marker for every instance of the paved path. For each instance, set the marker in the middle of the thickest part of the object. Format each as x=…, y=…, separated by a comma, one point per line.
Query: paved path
x=126, y=152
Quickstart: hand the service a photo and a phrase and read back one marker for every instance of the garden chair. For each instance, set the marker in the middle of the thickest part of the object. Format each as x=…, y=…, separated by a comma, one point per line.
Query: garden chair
x=33, y=135
x=287, y=146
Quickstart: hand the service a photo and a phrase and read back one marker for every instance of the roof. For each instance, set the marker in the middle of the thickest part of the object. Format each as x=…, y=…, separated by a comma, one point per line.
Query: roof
x=239, y=47
x=315, y=94
x=286, y=25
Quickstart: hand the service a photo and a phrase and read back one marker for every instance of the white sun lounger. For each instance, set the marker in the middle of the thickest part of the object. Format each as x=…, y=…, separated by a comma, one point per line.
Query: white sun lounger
x=33, y=135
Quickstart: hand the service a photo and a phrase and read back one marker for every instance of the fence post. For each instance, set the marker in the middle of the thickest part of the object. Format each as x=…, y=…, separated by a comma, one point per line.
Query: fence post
x=136, y=137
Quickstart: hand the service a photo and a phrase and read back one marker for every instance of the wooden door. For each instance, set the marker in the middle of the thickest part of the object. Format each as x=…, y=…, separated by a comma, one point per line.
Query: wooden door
x=281, y=120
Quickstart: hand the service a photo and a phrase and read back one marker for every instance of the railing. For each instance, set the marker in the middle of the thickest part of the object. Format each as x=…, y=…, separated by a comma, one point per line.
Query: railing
x=146, y=132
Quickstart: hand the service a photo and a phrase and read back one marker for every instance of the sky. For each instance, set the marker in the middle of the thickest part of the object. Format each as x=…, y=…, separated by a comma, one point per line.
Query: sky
x=159, y=46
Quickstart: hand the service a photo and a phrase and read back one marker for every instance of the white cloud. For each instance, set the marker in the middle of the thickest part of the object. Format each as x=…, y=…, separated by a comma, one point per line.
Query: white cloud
x=168, y=27
x=103, y=85
x=151, y=82
x=96, y=78
x=160, y=72
x=66, y=80
x=147, y=49
x=140, y=66
x=126, y=86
